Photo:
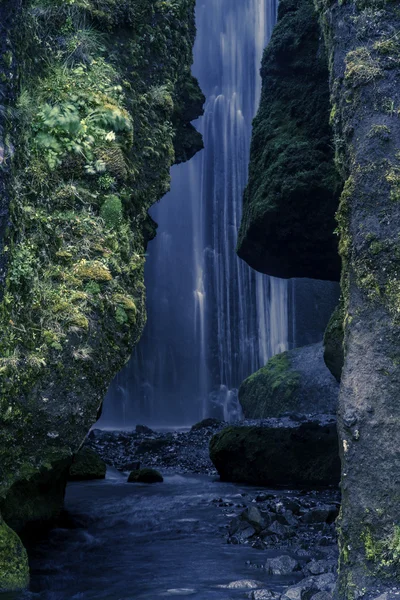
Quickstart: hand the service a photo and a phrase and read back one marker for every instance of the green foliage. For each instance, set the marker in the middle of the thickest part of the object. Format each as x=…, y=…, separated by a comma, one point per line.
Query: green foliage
x=111, y=211
x=14, y=570
x=96, y=121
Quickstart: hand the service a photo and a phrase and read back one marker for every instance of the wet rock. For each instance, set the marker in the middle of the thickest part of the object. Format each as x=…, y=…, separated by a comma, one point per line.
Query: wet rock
x=321, y=514
x=207, y=423
x=322, y=596
x=281, y=565
x=253, y=516
x=280, y=452
x=242, y=584
x=144, y=429
x=307, y=588
x=297, y=381
x=264, y=595
x=318, y=567
x=145, y=476
x=279, y=530
x=87, y=465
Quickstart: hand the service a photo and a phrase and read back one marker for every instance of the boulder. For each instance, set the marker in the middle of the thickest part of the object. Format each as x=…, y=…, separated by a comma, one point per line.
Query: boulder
x=207, y=423
x=333, y=342
x=293, y=187
x=281, y=565
x=87, y=465
x=143, y=429
x=278, y=452
x=296, y=381
x=264, y=595
x=145, y=476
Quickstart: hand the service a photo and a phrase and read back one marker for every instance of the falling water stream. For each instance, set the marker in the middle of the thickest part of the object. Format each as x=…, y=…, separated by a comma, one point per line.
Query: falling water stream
x=211, y=319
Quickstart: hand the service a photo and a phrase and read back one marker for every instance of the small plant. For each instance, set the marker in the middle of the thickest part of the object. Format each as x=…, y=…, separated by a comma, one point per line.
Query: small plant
x=111, y=211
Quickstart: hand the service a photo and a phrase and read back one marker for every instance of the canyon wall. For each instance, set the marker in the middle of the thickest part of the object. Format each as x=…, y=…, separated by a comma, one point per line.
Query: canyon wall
x=104, y=100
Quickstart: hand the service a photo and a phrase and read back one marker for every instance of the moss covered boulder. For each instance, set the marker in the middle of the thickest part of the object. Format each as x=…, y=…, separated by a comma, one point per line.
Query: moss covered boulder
x=292, y=194
x=279, y=452
x=87, y=465
x=333, y=342
x=14, y=569
x=297, y=381
x=145, y=476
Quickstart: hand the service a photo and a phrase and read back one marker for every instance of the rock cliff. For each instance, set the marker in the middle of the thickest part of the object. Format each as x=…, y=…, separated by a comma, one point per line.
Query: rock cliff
x=103, y=109
x=363, y=41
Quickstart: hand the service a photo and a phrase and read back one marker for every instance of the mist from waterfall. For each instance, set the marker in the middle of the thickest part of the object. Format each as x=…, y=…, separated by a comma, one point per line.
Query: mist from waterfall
x=211, y=319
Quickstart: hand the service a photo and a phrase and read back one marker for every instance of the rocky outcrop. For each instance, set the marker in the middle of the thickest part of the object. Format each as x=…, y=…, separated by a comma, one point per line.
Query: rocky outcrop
x=104, y=112
x=293, y=189
x=297, y=381
x=278, y=452
x=364, y=55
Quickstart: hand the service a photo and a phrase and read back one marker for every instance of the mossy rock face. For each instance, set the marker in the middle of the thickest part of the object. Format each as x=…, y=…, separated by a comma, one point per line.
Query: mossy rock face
x=36, y=502
x=145, y=476
x=87, y=465
x=279, y=453
x=333, y=343
x=100, y=96
x=293, y=190
x=107, y=95
x=14, y=569
x=293, y=382
x=364, y=51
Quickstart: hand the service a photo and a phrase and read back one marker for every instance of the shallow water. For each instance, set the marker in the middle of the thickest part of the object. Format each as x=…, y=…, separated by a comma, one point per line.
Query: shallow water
x=136, y=541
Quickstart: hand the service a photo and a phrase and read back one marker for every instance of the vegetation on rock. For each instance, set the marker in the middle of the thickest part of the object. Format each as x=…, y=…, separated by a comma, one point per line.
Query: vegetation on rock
x=87, y=465
x=288, y=219
x=362, y=40
x=284, y=454
x=293, y=382
x=105, y=97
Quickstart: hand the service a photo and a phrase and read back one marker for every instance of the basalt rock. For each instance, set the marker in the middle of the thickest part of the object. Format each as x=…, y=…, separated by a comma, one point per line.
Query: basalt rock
x=293, y=190
x=278, y=452
x=297, y=381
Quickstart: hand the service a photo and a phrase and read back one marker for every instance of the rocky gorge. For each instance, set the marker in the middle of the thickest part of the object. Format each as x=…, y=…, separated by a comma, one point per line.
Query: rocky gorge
x=97, y=100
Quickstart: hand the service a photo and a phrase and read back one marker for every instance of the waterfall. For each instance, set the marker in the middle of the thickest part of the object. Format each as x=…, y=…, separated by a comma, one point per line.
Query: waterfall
x=212, y=320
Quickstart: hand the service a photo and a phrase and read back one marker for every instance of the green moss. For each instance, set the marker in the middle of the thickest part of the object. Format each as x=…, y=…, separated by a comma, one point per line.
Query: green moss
x=293, y=189
x=87, y=465
x=111, y=211
x=361, y=67
x=14, y=570
x=271, y=391
x=98, y=117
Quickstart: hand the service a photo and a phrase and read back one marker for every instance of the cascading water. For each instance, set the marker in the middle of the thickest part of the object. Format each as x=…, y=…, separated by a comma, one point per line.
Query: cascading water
x=211, y=320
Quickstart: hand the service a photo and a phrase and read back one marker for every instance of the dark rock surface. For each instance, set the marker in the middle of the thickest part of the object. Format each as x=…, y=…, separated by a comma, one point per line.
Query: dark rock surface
x=365, y=72
x=87, y=465
x=295, y=381
x=293, y=190
x=279, y=452
x=145, y=476
x=333, y=342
